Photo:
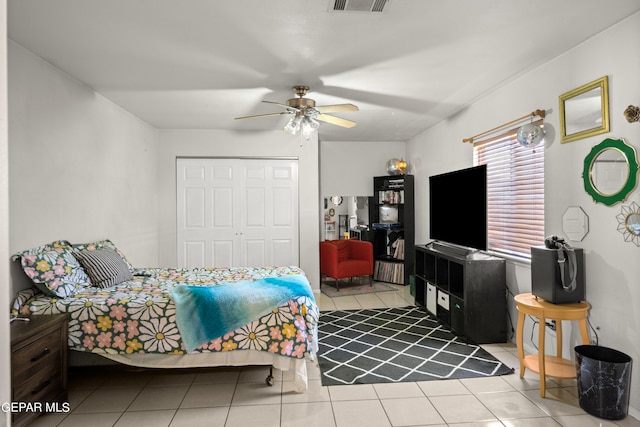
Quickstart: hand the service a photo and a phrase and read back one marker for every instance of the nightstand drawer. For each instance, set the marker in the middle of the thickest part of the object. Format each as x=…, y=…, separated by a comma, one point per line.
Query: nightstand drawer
x=41, y=386
x=36, y=355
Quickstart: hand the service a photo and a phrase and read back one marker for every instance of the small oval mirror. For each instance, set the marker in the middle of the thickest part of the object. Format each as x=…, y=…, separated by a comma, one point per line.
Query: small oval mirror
x=609, y=171
x=336, y=200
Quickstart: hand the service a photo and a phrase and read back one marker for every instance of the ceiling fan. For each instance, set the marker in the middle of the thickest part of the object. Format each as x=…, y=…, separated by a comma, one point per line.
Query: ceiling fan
x=306, y=114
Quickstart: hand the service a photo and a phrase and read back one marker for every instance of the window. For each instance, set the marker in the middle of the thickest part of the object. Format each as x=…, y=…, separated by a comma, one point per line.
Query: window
x=515, y=193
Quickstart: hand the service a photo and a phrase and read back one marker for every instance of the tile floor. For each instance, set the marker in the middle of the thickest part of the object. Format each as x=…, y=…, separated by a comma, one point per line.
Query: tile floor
x=239, y=397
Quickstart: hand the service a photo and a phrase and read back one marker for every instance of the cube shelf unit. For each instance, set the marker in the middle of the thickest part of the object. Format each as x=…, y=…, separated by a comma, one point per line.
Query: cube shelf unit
x=464, y=291
x=391, y=194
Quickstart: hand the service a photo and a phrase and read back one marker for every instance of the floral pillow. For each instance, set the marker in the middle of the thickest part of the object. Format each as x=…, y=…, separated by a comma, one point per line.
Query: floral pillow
x=54, y=269
x=82, y=247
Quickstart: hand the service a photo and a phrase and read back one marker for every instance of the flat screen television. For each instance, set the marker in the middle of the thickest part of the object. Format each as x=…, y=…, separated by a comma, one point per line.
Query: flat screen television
x=458, y=207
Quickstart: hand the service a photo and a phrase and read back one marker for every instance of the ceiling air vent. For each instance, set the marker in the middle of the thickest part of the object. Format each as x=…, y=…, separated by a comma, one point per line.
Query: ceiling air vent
x=358, y=5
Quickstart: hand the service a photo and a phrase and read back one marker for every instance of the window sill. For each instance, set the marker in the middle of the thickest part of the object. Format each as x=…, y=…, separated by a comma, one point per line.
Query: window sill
x=510, y=257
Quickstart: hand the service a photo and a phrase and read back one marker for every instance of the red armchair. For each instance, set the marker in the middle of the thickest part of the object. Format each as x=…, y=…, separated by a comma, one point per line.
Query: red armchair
x=346, y=258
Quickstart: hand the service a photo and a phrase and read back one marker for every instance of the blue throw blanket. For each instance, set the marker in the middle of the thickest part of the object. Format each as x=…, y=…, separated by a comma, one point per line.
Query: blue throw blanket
x=204, y=313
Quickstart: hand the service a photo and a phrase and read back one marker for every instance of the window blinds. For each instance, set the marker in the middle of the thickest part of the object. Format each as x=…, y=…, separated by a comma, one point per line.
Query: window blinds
x=515, y=193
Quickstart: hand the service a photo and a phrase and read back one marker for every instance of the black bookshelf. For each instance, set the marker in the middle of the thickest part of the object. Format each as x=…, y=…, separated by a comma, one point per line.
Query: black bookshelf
x=393, y=194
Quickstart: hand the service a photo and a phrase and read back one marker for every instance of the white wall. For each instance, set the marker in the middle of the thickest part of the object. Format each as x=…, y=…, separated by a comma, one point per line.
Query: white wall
x=612, y=267
x=347, y=168
x=219, y=143
x=81, y=168
x=5, y=289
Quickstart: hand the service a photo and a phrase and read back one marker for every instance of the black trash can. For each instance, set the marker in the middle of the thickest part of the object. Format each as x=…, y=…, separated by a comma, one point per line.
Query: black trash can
x=604, y=380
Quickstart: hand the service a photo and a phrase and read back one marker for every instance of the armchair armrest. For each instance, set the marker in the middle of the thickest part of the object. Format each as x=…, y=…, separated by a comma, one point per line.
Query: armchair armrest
x=328, y=259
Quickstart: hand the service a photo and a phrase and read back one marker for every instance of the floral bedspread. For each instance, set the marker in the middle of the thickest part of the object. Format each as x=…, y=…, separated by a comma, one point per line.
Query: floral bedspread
x=139, y=316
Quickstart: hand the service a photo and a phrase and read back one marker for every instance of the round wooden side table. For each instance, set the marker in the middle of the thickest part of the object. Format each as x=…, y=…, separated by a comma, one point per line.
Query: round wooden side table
x=549, y=366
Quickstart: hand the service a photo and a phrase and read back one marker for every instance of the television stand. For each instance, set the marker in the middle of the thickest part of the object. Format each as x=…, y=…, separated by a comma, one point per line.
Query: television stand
x=466, y=292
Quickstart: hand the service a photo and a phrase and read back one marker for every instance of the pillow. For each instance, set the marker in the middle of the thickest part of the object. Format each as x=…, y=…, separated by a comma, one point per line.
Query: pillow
x=19, y=305
x=105, y=267
x=54, y=269
x=83, y=247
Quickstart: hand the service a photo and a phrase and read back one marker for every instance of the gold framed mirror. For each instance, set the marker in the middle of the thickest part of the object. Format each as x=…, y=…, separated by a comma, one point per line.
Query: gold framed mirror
x=584, y=111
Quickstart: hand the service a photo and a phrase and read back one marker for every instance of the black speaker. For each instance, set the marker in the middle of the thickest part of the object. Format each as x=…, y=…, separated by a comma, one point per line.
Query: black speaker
x=546, y=281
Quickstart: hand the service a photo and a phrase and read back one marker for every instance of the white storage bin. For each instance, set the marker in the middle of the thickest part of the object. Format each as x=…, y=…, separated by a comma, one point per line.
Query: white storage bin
x=443, y=300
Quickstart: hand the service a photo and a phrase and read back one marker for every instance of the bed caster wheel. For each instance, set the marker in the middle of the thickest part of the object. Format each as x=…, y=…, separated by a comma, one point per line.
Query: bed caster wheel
x=270, y=381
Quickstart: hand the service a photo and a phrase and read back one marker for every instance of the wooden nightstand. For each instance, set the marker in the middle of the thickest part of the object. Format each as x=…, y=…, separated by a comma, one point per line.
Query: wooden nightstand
x=38, y=364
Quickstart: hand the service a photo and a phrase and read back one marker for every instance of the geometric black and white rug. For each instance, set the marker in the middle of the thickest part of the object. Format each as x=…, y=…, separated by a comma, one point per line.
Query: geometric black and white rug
x=395, y=345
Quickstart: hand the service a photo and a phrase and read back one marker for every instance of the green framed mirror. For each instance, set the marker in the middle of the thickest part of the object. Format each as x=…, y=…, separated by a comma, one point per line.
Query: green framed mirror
x=610, y=171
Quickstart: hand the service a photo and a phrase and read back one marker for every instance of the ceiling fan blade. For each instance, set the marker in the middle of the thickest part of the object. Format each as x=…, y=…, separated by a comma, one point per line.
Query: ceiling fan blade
x=264, y=115
x=282, y=105
x=337, y=108
x=335, y=120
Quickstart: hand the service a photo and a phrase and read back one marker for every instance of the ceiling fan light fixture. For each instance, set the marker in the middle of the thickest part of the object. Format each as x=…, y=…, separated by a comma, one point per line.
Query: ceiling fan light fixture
x=309, y=125
x=294, y=124
x=302, y=122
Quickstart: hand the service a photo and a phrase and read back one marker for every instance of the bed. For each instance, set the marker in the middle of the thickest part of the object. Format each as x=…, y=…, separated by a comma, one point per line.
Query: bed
x=139, y=317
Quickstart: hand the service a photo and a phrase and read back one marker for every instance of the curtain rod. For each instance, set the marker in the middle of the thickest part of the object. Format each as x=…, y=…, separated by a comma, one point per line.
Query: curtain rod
x=540, y=113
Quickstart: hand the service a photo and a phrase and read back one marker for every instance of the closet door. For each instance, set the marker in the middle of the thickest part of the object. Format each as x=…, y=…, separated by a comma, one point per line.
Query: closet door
x=237, y=212
x=208, y=212
x=269, y=229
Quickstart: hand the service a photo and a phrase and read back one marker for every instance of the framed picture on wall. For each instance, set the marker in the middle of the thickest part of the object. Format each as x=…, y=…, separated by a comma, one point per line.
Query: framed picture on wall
x=584, y=111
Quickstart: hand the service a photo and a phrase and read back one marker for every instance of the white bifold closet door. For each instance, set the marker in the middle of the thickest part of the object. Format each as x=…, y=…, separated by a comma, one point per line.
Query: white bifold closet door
x=237, y=212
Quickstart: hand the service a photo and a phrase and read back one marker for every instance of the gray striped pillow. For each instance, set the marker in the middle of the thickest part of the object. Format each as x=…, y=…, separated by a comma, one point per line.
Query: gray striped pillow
x=104, y=267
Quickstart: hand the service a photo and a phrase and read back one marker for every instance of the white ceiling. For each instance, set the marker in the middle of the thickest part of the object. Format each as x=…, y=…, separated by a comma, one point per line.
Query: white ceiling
x=197, y=64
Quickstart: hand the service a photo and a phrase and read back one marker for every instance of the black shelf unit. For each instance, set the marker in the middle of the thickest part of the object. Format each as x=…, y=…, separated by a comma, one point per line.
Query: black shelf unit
x=466, y=292
x=393, y=193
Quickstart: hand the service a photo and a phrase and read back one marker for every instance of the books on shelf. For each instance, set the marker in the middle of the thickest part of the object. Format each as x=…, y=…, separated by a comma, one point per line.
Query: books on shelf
x=398, y=251
x=391, y=272
x=391, y=196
